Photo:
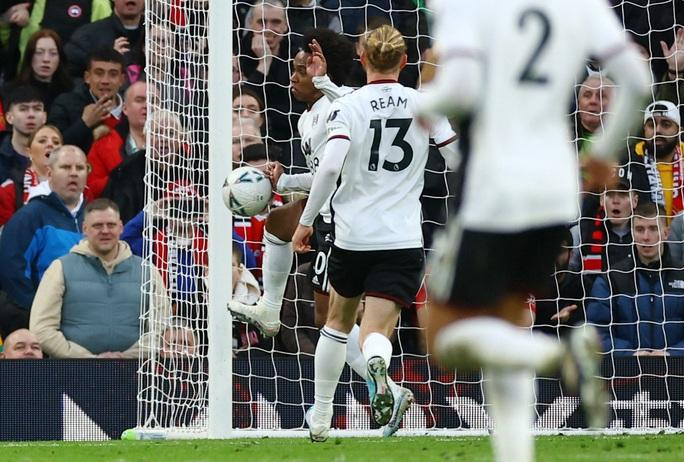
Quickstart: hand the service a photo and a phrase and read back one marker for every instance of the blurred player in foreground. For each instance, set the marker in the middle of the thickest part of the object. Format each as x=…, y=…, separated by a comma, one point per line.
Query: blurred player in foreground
x=507, y=72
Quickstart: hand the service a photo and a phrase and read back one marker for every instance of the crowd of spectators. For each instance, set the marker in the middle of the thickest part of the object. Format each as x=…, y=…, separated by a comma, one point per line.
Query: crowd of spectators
x=76, y=84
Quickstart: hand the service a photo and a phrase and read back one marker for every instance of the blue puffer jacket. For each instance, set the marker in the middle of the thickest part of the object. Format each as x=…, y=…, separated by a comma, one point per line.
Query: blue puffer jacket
x=642, y=312
x=37, y=234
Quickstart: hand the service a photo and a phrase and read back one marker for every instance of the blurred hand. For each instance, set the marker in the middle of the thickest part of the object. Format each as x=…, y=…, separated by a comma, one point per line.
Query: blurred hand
x=19, y=14
x=259, y=46
x=300, y=239
x=96, y=112
x=599, y=175
x=262, y=52
x=674, y=55
x=564, y=314
x=122, y=45
x=316, y=65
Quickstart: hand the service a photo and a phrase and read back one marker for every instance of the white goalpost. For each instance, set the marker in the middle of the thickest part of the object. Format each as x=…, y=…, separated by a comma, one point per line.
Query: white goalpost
x=202, y=376
x=185, y=380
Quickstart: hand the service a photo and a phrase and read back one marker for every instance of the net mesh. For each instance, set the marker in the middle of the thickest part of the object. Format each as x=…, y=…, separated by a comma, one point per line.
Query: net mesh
x=273, y=379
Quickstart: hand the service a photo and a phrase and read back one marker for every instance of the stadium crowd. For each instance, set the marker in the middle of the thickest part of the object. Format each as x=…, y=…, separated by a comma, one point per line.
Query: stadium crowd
x=77, y=81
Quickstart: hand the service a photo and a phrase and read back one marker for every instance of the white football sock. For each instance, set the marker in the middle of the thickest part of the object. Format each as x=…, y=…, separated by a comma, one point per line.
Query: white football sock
x=275, y=269
x=328, y=365
x=489, y=342
x=357, y=361
x=510, y=394
x=355, y=357
x=377, y=344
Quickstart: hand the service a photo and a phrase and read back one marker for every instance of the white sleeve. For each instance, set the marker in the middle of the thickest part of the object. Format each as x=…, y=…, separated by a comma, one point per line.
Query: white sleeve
x=300, y=182
x=633, y=79
x=457, y=85
x=327, y=87
x=605, y=33
x=325, y=181
x=446, y=141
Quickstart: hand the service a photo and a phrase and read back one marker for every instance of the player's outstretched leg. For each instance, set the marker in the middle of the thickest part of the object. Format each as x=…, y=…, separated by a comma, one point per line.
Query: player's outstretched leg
x=494, y=343
x=265, y=315
x=280, y=226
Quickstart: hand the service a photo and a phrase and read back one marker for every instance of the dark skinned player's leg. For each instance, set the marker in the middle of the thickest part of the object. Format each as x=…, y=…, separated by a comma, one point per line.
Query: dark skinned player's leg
x=276, y=265
x=282, y=221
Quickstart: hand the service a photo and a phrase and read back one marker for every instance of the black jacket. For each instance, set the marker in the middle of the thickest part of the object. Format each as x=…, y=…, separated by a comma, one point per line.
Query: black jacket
x=98, y=34
x=48, y=91
x=66, y=114
x=12, y=164
x=126, y=186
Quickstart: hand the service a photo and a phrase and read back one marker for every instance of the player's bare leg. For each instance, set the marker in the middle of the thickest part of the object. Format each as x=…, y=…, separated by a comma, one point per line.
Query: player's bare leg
x=329, y=361
x=280, y=226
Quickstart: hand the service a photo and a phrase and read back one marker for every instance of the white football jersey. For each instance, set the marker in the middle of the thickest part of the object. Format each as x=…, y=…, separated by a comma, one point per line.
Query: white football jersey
x=311, y=126
x=521, y=168
x=376, y=205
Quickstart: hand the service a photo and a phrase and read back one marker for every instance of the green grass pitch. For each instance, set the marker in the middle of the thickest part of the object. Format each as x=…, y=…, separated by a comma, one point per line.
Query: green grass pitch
x=652, y=448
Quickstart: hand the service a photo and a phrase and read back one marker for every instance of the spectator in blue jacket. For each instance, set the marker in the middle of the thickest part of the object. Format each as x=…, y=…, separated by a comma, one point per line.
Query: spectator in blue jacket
x=639, y=309
x=43, y=230
x=133, y=235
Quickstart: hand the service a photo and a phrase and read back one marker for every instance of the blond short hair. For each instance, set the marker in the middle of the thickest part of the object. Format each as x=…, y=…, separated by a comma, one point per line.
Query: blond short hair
x=384, y=48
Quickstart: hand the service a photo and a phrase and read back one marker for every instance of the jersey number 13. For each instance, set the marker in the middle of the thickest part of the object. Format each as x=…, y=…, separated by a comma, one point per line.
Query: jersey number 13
x=399, y=141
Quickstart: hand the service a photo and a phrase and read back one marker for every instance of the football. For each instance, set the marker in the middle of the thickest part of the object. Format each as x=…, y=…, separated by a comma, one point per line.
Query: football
x=247, y=191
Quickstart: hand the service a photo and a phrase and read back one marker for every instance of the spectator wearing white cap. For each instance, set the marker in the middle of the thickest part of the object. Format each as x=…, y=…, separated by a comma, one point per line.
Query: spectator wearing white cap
x=659, y=167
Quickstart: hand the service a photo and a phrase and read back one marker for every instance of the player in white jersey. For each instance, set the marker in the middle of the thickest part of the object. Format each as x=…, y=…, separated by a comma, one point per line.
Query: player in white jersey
x=507, y=72
x=373, y=166
x=316, y=80
x=319, y=73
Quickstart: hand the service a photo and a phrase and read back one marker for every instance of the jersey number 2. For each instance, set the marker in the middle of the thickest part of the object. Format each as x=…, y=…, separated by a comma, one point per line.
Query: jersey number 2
x=529, y=74
x=399, y=141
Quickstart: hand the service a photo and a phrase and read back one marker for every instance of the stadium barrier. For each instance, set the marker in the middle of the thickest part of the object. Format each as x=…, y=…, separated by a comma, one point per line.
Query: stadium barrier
x=96, y=399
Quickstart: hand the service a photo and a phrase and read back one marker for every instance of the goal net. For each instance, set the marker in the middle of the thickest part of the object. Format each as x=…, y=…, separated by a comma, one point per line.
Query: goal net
x=199, y=380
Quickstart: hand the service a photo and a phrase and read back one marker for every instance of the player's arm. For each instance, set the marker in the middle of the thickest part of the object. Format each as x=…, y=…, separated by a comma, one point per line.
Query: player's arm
x=633, y=79
x=457, y=86
x=625, y=66
x=327, y=87
x=299, y=182
x=325, y=180
x=317, y=67
x=446, y=141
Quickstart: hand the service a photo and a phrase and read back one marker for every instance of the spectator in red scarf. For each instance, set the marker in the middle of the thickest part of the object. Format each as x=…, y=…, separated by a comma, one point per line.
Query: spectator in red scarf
x=657, y=164
x=606, y=238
